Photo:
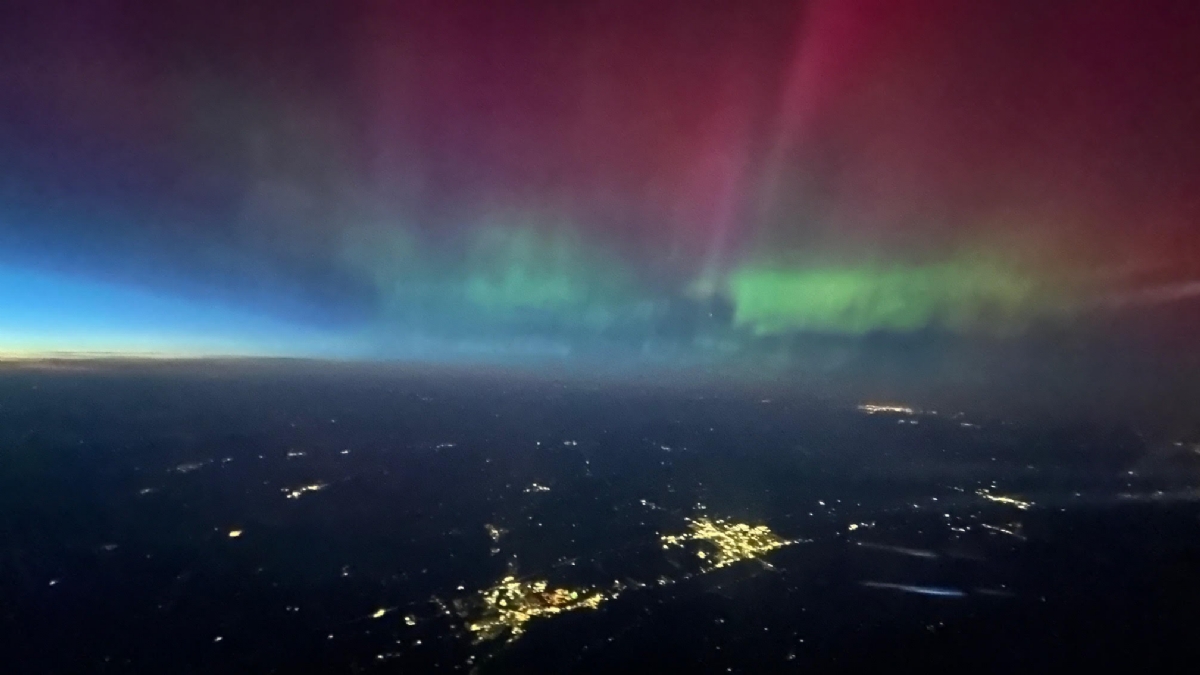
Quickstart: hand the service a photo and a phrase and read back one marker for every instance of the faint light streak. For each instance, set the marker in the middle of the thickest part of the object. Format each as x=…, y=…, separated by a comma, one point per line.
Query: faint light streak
x=995, y=592
x=932, y=591
x=1011, y=530
x=911, y=552
x=1153, y=296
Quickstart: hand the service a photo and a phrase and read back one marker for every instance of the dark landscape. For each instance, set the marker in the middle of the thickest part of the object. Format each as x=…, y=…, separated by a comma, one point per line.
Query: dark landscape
x=372, y=512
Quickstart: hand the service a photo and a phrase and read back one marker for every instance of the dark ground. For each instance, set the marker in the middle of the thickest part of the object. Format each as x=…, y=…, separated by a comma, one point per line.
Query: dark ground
x=120, y=484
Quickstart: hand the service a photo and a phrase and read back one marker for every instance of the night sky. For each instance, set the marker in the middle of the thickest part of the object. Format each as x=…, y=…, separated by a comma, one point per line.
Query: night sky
x=682, y=178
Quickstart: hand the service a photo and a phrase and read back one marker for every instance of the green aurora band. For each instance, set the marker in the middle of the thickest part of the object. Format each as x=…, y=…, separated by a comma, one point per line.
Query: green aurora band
x=521, y=269
x=962, y=295
x=536, y=280
x=521, y=278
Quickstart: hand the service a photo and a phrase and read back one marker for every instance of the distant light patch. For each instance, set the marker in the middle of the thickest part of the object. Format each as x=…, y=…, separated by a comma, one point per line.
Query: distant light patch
x=506, y=608
x=1004, y=499
x=872, y=408
x=296, y=493
x=733, y=542
x=495, y=532
x=188, y=467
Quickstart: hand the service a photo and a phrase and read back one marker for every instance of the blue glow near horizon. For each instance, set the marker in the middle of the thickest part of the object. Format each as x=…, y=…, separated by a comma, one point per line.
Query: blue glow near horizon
x=43, y=312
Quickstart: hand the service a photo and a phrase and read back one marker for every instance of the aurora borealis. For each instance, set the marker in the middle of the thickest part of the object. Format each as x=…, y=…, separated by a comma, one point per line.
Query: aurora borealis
x=377, y=179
